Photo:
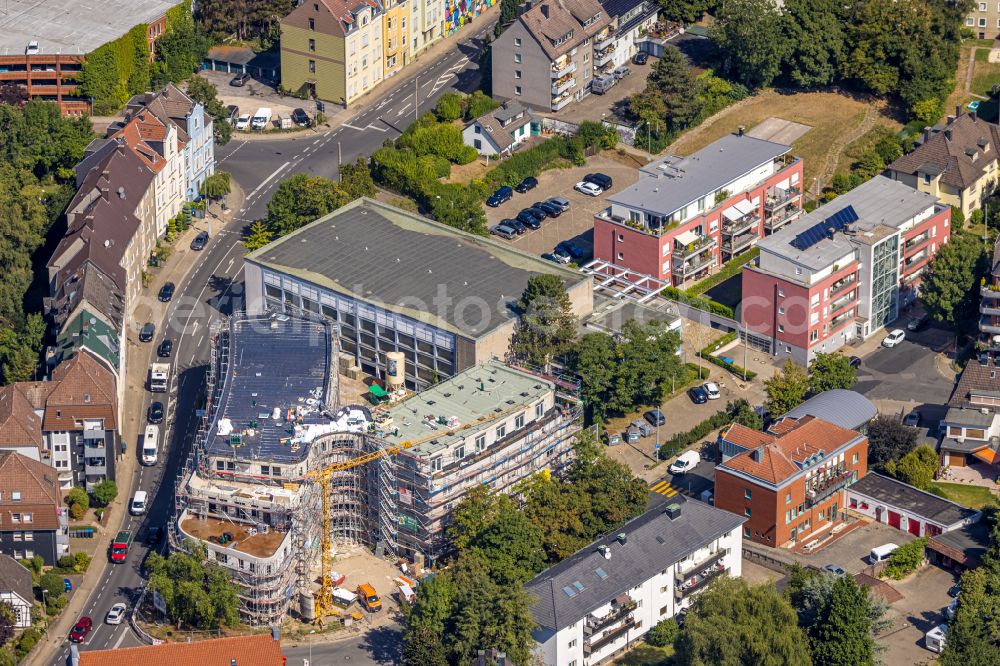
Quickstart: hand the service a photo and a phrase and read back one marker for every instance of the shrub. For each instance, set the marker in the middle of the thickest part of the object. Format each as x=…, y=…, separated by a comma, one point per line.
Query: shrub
x=81, y=562
x=28, y=640
x=906, y=559
x=449, y=107
x=663, y=633
x=479, y=103
x=729, y=269
x=77, y=511
x=700, y=302
x=66, y=562
x=53, y=585
x=79, y=496
x=104, y=493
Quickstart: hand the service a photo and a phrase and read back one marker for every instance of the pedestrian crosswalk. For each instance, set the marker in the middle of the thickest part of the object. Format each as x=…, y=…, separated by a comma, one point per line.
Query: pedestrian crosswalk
x=664, y=488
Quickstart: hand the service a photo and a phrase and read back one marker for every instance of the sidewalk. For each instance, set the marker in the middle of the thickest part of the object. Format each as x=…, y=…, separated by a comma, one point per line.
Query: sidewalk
x=139, y=356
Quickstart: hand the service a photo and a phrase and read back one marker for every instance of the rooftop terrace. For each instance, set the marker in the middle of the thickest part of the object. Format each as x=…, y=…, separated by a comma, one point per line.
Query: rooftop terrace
x=245, y=539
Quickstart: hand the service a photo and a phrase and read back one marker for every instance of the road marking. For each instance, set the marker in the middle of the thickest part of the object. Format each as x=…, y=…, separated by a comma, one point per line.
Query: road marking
x=377, y=129
x=403, y=110
x=268, y=179
x=317, y=141
x=664, y=488
x=360, y=129
x=235, y=150
x=427, y=84
x=120, y=640
x=230, y=264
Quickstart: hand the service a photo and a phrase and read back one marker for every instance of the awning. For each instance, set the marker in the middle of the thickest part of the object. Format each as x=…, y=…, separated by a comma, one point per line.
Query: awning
x=738, y=210
x=986, y=455
x=686, y=238
x=377, y=391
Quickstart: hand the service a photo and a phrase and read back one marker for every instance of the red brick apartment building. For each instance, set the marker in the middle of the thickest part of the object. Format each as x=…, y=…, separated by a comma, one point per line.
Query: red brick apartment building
x=843, y=271
x=788, y=482
x=688, y=215
x=43, y=44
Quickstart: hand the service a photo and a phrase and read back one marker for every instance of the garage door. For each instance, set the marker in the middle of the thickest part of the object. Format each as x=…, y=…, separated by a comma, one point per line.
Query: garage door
x=894, y=519
x=913, y=526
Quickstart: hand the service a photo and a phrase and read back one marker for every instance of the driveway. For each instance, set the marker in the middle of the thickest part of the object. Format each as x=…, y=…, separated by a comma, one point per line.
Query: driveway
x=910, y=371
x=851, y=550
x=925, y=596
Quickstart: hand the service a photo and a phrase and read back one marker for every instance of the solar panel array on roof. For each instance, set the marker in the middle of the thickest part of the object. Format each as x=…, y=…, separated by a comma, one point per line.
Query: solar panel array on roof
x=821, y=230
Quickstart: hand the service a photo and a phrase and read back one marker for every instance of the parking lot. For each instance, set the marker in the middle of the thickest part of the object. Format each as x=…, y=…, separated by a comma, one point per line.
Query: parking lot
x=578, y=222
x=850, y=550
x=925, y=598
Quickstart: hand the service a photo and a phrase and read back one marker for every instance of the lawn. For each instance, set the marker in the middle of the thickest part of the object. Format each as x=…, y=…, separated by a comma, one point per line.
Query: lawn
x=974, y=497
x=647, y=655
x=986, y=74
x=832, y=116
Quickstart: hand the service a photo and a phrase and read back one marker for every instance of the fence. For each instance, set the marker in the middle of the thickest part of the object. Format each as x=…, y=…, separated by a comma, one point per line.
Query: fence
x=626, y=133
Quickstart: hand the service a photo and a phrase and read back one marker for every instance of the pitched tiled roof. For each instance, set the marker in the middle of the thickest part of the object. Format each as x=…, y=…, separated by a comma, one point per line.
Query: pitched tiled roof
x=36, y=392
x=258, y=650
x=144, y=133
x=552, y=20
x=19, y=425
x=14, y=577
x=960, y=151
x=335, y=17
x=977, y=379
x=39, y=492
x=493, y=123
x=85, y=389
x=83, y=280
x=170, y=104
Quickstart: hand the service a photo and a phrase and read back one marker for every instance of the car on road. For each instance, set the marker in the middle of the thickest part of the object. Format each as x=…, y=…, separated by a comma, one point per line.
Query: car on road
x=712, y=389
x=198, y=244
x=80, y=630
x=301, y=118
x=655, y=417
x=562, y=202
x=243, y=122
x=529, y=220
x=640, y=58
x=588, y=188
x=116, y=614
x=894, y=338
x=919, y=324
x=834, y=569
x=698, y=395
x=556, y=258
x=165, y=349
x=855, y=362
x=516, y=225
x=686, y=462
x=167, y=292
x=603, y=181
x=550, y=208
x=153, y=535
x=155, y=412
x=501, y=195
x=527, y=184
x=912, y=419
x=240, y=80
x=503, y=231
x=147, y=332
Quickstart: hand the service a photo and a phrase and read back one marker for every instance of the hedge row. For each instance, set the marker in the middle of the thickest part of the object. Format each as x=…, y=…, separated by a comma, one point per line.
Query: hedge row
x=700, y=302
x=729, y=269
x=681, y=441
x=115, y=71
x=708, y=353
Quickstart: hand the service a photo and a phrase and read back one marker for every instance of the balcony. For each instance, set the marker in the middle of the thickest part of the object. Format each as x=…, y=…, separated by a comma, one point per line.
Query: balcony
x=694, y=266
x=840, y=319
x=95, y=466
x=562, y=85
x=843, y=301
x=777, y=198
x=697, y=581
x=989, y=325
x=916, y=242
x=714, y=558
x=782, y=217
x=604, y=57
x=594, y=625
x=562, y=101
x=733, y=227
x=703, y=243
x=828, y=487
x=842, y=284
x=560, y=70
x=594, y=644
x=990, y=291
x=987, y=310
x=734, y=245
x=604, y=40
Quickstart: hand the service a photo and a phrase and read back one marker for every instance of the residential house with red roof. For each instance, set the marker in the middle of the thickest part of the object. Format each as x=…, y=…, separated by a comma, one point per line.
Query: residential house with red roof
x=257, y=650
x=32, y=520
x=20, y=426
x=789, y=485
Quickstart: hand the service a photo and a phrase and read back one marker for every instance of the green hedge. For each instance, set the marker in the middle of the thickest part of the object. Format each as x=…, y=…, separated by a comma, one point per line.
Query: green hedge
x=906, y=559
x=681, y=441
x=708, y=353
x=729, y=269
x=115, y=71
x=700, y=302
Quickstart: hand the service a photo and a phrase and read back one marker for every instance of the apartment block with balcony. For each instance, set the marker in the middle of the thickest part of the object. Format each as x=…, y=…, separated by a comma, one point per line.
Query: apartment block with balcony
x=32, y=518
x=843, y=271
x=631, y=20
x=546, y=59
x=604, y=598
x=333, y=49
x=989, y=307
x=688, y=215
x=788, y=486
x=396, y=45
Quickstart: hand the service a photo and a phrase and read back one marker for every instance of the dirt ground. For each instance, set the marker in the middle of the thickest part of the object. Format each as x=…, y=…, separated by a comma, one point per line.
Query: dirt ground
x=755, y=574
x=361, y=566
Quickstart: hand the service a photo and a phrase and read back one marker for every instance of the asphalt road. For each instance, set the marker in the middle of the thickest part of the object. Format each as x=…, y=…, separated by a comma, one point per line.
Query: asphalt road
x=214, y=288
x=378, y=647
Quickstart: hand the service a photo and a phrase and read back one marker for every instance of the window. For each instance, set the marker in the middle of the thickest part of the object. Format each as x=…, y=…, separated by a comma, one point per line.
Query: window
x=746, y=532
x=982, y=6
x=29, y=536
x=312, y=44
x=814, y=335
x=572, y=644
x=403, y=25
x=539, y=410
x=265, y=470
x=27, y=517
x=781, y=310
x=459, y=453
x=621, y=256
x=15, y=518
x=746, y=512
x=517, y=90
x=788, y=517
x=15, y=496
x=781, y=293
x=477, y=143
x=312, y=24
x=517, y=58
x=781, y=328
x=746, y=493
x=501, y=430
x=982, y=23
x=517, y=73
x=388, y=24
x=572, y=663
x=480, y=442
x=478, y=129
x=275, y=471
x=436, y=464
x=312, y=66
x=517, y=42
x=854, y=459
x=788, y=498
x=519, y=421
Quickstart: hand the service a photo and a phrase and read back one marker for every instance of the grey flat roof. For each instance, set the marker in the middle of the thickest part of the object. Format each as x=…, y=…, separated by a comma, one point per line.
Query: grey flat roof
x=878, y=202
x=847, y=409
x=272, y=362
x=653, y=543
x=68, y=27
x=903, y=496
x=971, y=540
x=408, y=264
x=610, y=313
x=970, y=417
x=673, y=182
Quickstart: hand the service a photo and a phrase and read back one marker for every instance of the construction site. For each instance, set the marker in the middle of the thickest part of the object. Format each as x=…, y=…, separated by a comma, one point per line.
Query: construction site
x=289, y=466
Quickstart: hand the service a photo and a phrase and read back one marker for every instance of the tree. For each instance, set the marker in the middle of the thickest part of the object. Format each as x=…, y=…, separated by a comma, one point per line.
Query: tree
x=951, y=283
x=356, y=179
x=8, y=620
x=78, y=495
x=786, y=389
x=301, y=199
x=916, y=468
x=104, y=493
x=889, y=440
x=197, y=593
x=673, y=81
x=594, y=359
x=831, y=371
x=53, y=587
x=906, y=559
x=200, y=90
x=449, y=107
x=814, y=32
x=732, y=623
x=216, y=186
x=748, y=416
x=180, y=49
x=245, y=19
x=257, y=236
x=14, y=94
x=546, y=324
x=685, y=11
x=663, y=633
x=750, y=39
x=843, y=634
x=459, y=207
x=423, y=647
x=974, y=633
x=478, y=104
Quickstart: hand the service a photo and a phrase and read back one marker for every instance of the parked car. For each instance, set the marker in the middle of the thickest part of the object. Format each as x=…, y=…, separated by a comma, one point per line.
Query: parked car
x=80, y=630
x=621, y=72
x=517, y=226
x=571, y=249
x=153, y=535
x=955, y=591
x=655, y=417
x=528, y=220
x=912, y=419
x=301, y=118
x=501, y=195
x=712, y=390
x=243, y=122
x=562, y=202
x=556, y=258
x=601, y=180
x=950, y=610
x=538, y=212
x=167, y=292
x=640, y=58
x=919, y=324
x=234, y=113
x=698, y=395
x=588, y=188
x=528, y=183
x=834, y=569
x=503, y=231
x=686, y=462
x=240, y=80
x=155, y=412
x=855, y=362
x=165, y=349
x=116, y=614
x=894, y=338
x=147, y=332
x=199, y=241
x=550, y=209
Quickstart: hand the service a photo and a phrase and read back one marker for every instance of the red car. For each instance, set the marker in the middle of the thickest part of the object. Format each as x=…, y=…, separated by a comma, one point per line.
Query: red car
x=80, y=630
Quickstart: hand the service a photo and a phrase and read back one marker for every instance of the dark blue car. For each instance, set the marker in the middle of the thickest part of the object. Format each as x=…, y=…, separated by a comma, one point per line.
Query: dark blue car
x=698, y=395
x=501, y=195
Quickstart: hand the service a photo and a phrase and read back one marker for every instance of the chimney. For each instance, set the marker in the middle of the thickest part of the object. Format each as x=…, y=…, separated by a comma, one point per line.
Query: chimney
x=973, y=114
x=545, y=11
x=622, y=538
x=958, y=110
x=673, y=511
x=741, y=130
x=927, y=134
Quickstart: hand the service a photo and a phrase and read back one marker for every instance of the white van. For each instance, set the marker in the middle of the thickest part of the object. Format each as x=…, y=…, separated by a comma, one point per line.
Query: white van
x=686, y=462
x=882, y=553
x=150, y=445
x=261, y=118
x=138, y=505
x=935, y=638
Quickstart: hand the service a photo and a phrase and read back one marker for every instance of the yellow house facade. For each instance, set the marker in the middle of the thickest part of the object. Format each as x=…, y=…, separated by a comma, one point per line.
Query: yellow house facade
x=394, y=36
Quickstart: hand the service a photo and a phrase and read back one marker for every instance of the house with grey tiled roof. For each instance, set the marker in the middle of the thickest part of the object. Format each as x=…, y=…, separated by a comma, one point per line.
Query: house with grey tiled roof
x=32, y=518
x=955, y=161
x=606, y=596
x=500, y=131
x=16, y=590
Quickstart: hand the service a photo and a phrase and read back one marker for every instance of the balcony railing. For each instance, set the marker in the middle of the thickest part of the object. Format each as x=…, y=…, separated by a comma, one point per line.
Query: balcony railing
x=603, y=42
x=840, y=319
x=602, y=57
x=827, y=488
x=694, y=247
x=694, y=266
x=561, y=70
x=561, y=101
x=731, y=228
x=781, y=217
x=714, y=558
x=595, y=624
x=842, y=284
x=987, y=292
x=732, y=245
x=915, y=242
x=562, y=85
x=987, y=325
x=594, y=644
x=697, y=581
x=843, y=301
x=777, y=198
x=987, y=310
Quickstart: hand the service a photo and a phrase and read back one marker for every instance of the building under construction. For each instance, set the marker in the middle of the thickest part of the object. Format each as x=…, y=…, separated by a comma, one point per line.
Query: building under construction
x=274, y=440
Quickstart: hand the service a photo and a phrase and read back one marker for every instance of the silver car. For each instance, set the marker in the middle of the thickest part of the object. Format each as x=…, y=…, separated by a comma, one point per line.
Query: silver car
x=503, y=231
